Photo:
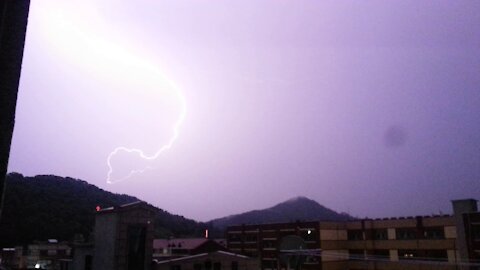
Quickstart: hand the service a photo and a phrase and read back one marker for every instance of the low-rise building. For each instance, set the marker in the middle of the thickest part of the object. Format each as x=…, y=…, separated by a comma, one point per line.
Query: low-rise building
x=165, y=249
x=218, y=260
x=421, y=242
x=51, y=255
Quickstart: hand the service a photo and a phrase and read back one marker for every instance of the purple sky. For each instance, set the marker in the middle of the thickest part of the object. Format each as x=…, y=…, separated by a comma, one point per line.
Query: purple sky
x=368, y=107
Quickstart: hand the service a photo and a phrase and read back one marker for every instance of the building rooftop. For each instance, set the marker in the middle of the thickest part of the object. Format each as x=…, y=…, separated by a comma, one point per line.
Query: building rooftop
x=123, y=207
x=186, y=258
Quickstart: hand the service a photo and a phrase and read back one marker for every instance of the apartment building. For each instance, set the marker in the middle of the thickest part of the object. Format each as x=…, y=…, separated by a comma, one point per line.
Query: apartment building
x=421, y=242
x=217, y=260
x=166, y=249
x=51, y=254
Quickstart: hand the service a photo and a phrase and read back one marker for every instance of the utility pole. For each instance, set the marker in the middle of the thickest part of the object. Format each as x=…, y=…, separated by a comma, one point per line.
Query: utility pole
x=13, y=26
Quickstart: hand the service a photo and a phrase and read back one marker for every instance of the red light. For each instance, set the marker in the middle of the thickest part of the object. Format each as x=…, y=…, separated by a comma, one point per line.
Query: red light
x=97, y=208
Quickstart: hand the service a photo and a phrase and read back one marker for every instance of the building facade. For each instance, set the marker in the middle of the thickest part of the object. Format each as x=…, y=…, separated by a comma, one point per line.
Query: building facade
x=218, y=260
x=123, y=239
x=421, y=242
x=166, y=249
x=48, y=255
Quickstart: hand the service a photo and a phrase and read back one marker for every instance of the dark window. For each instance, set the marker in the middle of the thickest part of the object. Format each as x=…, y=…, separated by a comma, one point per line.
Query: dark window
x=355, y=235
x=234, y=237
x=407, y=254
x=311, y=260
x=234, y=265
x=61, y=252
x=173, y=267
x=476, y=232
x=43, y=252
x=217, y=266
x=269, y=264
x=197, y=266
x=88, y=262
x=380, y=234
x=179, y=251
x=434, y=233
x=406, y=233
x=285, y=233
x=381, y=254
x=269, y=243
x=208, y=265
x=63, y=266
x=136, y=247
x=434, y=255
x=250, y=237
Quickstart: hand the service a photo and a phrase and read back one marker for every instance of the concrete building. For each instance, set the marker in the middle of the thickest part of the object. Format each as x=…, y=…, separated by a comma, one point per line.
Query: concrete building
x=218, y=260
x=422, y=242
x=8, y=258
x=123, y=239
x=166, y=249
x=51, y=255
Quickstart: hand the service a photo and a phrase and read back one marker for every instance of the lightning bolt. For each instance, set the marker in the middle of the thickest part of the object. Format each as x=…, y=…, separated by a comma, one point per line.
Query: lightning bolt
x=82, y=43
x=141, y=153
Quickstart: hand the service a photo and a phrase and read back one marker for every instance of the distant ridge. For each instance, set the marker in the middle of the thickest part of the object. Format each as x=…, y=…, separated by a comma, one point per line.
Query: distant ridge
x=48, y=206
x=297, y=208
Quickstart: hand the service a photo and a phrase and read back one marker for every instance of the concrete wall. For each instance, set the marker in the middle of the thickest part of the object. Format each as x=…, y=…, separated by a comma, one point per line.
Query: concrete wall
x=105, y=236
x=461, y=207
x=79, y=256
x=333, y=234
x=139, y=217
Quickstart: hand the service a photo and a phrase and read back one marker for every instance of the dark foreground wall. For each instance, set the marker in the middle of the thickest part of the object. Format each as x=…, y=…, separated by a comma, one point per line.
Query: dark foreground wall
x=13, y=25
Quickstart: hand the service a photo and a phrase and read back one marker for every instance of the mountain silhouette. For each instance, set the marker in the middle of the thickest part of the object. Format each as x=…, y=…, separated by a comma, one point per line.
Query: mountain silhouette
x=295, y=209
x=48, y=206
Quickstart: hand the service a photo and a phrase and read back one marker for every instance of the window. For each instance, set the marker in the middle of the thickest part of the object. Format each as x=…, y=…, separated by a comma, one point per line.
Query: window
x=380, y=234
x=43, y=252
x=250, y=237
x=355, y=235
x=476, y=232
x=234, y=237
x=434, y=255
x=434, y=233
x=269, y=244
x=407, y=254
x=311, y=260
x=382, y=254
x=88, y=262
x=406, y=233
x=250, y=253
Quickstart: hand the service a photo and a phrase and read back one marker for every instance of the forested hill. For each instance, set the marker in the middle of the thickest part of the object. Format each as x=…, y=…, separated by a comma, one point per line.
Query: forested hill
x=47, y=206
x=298, y=208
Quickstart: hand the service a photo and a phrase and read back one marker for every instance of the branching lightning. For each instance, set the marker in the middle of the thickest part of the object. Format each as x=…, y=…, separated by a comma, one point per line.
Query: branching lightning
x=141, y=153
x=82, y=43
